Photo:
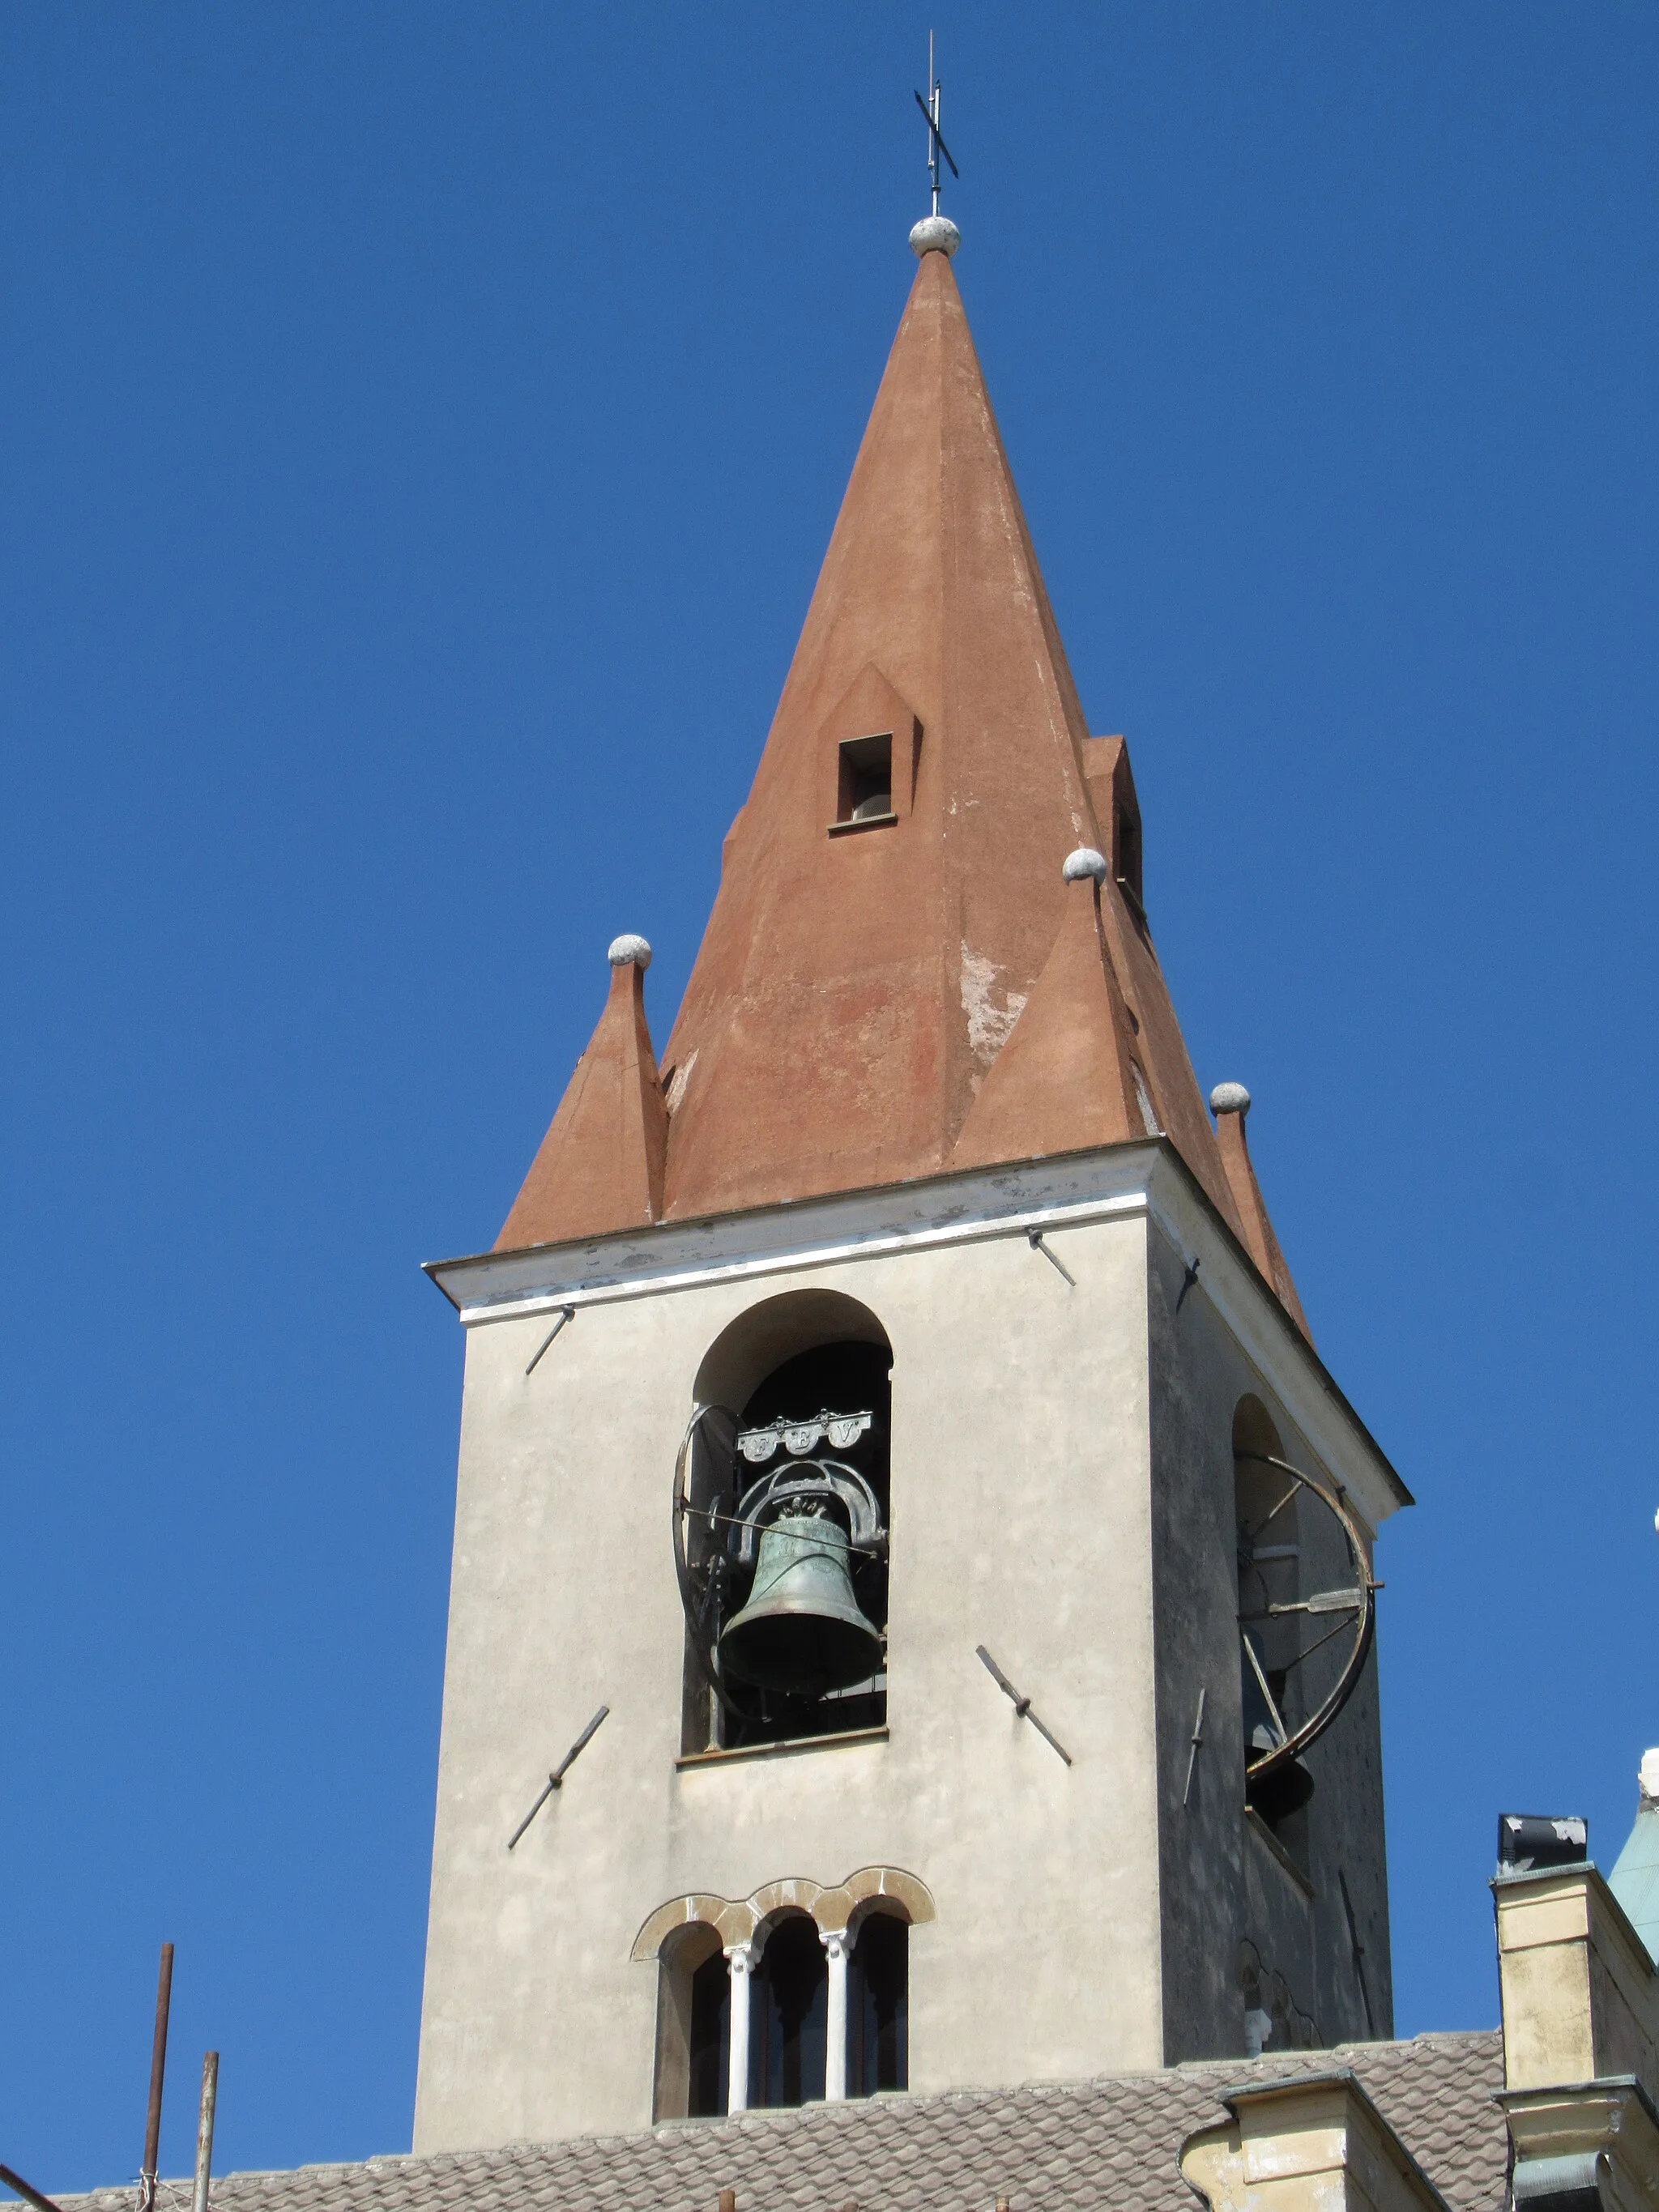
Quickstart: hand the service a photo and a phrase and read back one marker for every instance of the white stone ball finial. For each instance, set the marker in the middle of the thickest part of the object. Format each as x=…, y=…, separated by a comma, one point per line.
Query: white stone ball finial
x=934, y=233
x=1085, y=862
x=1647, y=1778
x=630, y=952
x=1230, y=1098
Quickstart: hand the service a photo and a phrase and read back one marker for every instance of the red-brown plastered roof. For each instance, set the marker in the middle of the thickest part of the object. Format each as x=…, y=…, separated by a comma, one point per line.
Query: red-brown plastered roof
x=600, y=1164
x=856, y=985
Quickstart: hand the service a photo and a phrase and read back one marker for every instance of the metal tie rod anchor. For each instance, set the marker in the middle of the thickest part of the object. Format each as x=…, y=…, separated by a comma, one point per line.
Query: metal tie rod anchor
x=556, y=1780
x=1021, y=1705
x=1197, y=1745
x=566, y=1313
x=1034, y=1238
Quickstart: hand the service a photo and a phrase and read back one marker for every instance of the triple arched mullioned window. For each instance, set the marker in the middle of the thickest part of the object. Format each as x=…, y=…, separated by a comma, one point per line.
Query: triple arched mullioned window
x=795, y=1994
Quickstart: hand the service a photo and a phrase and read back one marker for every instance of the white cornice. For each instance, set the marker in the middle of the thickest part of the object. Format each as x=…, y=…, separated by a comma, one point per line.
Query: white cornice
x=1116, y=1183
x=812, y=1232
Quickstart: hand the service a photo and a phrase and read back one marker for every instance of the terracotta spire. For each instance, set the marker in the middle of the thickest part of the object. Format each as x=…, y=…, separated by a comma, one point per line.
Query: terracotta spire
x=856, y=982
x=1066, y=1078
x=1231, y=1102
x=891, y=895
x=600, y=1164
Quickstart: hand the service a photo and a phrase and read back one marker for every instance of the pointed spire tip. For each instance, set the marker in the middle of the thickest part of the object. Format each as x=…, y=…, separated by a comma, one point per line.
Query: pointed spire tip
x=934, y=233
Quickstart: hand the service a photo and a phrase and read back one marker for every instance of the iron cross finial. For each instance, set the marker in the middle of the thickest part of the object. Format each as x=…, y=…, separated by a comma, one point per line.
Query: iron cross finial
x=936, y=145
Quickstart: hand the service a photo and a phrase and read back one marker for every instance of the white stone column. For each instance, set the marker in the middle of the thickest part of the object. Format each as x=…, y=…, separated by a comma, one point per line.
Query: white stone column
x=836, y=1943
x=740, y=1964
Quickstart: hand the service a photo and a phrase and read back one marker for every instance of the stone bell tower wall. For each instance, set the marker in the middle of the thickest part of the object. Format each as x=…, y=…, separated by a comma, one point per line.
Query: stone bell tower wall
x=1227, y=1883
x=1059, y=1494
x=1019, y=1519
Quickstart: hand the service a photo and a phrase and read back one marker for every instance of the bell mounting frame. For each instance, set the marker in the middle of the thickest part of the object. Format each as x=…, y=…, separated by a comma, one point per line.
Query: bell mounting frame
x=792, y=1486
x=1359, y=1602
x=715, y=1536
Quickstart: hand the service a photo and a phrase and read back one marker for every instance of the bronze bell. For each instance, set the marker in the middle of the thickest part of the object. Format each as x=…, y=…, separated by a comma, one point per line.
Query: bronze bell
x=802, y=1632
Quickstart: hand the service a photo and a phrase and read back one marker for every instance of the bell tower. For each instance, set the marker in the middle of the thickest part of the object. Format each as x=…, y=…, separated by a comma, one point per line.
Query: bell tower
x=895, y=1410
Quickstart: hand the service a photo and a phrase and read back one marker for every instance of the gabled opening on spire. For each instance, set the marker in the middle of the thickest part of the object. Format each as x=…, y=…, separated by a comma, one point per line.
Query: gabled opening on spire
x=1117, y=810
x=870, y=747
x=1126, y=843
x=864, y=786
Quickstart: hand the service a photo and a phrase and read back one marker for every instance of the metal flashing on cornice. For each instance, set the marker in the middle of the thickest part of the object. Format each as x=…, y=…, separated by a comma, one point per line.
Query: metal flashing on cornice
x=1523, y=1877
x=949, y=1209
x=797, y=1233
x=1144, y=1180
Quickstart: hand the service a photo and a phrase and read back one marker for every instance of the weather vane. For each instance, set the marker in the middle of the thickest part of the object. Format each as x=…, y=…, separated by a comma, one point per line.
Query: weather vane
x=936, y=145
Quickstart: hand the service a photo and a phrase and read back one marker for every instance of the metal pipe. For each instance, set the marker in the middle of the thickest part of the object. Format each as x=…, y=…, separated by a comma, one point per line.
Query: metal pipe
x=20, y=2188
x=158, y=2067
x=198, y=2202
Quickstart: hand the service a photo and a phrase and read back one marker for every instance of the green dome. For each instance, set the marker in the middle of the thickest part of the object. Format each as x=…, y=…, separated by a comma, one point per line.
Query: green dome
x=1635, y=1878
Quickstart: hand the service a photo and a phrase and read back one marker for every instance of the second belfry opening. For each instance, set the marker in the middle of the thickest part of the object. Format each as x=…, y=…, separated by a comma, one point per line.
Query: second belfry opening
x=803, y=1502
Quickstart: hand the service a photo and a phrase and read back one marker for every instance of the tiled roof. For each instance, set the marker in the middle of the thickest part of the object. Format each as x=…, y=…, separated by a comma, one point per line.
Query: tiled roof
x=1109, y=2145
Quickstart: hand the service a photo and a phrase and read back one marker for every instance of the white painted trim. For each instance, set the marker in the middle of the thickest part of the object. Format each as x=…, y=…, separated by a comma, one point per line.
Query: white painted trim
x=811, y=1232
x=1119, y=1182
x=1131, y=1206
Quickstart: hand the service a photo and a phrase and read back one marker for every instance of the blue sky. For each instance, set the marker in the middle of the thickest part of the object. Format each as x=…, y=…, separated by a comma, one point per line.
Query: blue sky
x=422, y=429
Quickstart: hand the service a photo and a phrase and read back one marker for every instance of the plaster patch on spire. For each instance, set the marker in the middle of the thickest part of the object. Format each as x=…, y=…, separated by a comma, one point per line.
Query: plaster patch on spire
x=1144, y=1099
x=676, y=1083
x=988, y=1024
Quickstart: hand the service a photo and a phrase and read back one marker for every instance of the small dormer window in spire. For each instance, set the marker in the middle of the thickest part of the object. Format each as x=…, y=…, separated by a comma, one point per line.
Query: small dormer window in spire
x=1126, y=856
x=864, y=794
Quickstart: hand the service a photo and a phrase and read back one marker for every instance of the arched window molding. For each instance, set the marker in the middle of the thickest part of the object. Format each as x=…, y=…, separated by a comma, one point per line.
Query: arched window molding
x=778, y=1329
x=685, y=1935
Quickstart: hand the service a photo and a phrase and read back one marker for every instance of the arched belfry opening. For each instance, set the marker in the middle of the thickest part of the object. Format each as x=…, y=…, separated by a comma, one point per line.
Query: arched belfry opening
x=879, y=2005
x=694, y=2024
x=789, y=2001
x=783, y=1500
x=1267, y=1509
x=1307, y=1612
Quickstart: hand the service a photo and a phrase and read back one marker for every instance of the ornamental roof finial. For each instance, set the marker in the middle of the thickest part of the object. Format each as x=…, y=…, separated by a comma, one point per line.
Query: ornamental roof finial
x=935, y=233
